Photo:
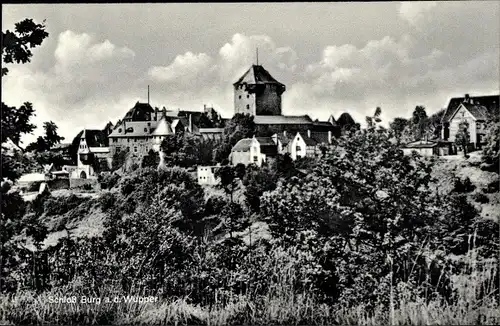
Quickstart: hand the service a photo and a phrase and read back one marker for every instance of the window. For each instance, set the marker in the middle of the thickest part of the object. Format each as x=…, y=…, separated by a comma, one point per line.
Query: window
x=145, y=129
x=119, y=130
x=297, y=148
x=248, y=106
x=248, y=96
x=115, y=140
x=118, y=148
x=149, y=124
x=135, y=140
x=255, y=159
x=239, y=97
x=135, y=149
x=128, y=140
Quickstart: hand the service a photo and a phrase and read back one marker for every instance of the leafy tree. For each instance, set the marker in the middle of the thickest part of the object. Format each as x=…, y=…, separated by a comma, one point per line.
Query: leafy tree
x=186, y=150
x=491, y=151
x=15, y=121
x=257, y=181
x=419, y=121
x=239, y=127
x=462, y=138
x=46, y=142
x=152, y=159
x=51, y=135
x=119, y=160
x=398, y=125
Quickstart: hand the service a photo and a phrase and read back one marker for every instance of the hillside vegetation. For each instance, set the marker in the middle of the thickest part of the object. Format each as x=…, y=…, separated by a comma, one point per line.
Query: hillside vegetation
x=365, y=236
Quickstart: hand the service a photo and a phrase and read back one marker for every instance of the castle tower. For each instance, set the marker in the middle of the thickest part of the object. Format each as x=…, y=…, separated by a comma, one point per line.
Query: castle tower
x=258, y=93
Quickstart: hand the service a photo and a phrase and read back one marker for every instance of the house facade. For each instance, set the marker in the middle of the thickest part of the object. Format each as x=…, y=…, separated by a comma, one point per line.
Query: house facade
x=303, y=146
x=476, y=111
x=253, y=151
x=92, y=151
x=206, y=175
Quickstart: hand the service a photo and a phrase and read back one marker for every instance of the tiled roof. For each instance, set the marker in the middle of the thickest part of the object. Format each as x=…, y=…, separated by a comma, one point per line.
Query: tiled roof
x=285, y=139
x=320, y=137
x=265, y=141
x=491, y=102
x=132, y=129
x=309, y=141
x=478, y=111
x=281, y=119
x=243, y=145
x=257, y=75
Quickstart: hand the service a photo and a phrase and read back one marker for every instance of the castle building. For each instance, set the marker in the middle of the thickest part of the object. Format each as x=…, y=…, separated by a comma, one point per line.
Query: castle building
x=258, y=94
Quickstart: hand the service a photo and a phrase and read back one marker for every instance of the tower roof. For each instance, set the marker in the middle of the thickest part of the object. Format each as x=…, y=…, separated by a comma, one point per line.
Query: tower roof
x=257, y=75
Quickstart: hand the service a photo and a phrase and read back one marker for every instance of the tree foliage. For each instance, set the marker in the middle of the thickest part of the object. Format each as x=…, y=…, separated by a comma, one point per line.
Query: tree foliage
x=239, y=127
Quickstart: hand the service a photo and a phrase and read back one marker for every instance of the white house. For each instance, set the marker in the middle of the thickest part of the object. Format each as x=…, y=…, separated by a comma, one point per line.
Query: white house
x=302, y=146
x=206, y=175
x=253, y=150
x=93, y=147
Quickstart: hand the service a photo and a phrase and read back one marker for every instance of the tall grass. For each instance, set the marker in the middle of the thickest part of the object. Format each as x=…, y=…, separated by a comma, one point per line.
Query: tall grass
x=475, y=302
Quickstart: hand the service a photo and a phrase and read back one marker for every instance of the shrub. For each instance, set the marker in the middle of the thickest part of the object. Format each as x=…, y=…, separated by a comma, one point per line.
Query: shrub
x=87, y=186
x=107, y=201
x=481, y=198
x=463, y=186
x=492, y=187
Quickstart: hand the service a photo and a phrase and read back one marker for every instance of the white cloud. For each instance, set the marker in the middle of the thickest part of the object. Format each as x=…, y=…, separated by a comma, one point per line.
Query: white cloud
x=184, y=67
x=414, y=12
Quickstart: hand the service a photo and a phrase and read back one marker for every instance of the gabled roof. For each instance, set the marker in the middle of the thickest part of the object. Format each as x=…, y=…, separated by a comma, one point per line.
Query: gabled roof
x=479, y=112
x=309, y=141
x=243, y=145
x=257, y=75
x=281, y=119
x=95, y=138
x=491, y=102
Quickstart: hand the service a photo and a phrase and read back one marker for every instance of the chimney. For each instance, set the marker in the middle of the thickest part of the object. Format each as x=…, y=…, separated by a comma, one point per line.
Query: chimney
x=329, y=136
x=467, y=98
x=284, y=133
x=190, y=127
x=308, y=133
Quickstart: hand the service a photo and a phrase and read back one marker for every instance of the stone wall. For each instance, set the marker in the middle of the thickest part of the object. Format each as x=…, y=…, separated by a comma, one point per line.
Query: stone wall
x=268, y=101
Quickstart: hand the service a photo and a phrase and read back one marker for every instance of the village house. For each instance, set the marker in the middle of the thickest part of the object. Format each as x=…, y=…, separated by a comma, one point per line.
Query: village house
x=303, y=146
x=92, y=151
x=476, y=111
x=206, y=175
x=253, y=150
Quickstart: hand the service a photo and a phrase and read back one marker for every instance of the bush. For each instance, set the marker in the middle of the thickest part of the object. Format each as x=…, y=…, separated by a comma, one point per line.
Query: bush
x=464, y=186
x=107, y=201
x=87, y=186
x=481, y=198
x=108, y=180
x=492, y=187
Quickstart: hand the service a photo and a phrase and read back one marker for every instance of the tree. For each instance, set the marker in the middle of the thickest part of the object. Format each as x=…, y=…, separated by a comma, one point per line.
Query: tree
x=119, y=160
x=152, y=159
x=462, y=137
x=491, y=150
x=51, y=136
x=15, y=121
x=419, y=121
x=239, y=127
x=398, y=125
x=371, y=122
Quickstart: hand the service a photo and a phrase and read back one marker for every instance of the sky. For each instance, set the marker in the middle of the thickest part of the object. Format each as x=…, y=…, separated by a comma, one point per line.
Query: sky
x=333, y=57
